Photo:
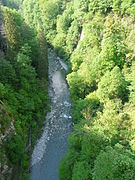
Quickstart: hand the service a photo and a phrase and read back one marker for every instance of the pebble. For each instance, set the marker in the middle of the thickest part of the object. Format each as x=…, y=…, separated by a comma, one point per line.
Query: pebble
x=65, y=116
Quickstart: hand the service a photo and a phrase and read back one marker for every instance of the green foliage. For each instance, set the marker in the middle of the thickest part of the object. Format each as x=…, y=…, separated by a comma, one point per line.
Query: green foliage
x=12, y=30
x=59, y=44
x=76, y=60
x=50, y=11
x=2, y=90
x=81, y=171
x=78, y=87
x=73, y=36
x=116, y=5
x=81, y=5
x=86, y=108
x=114, y=164
x=5, y=117
x=112, y=85
x=64, y=20
x=128, y=7
x=103, y=6
x=127, y=130
x=98, y=39
x=91, y=144
x=107, y=122
x=66, y=165
x=43, y=61
x=5, y=69
x=101, y=84
x=32, y=13
x=14, y=4
x=23, y=85
x=63, y=24
x=131, y=79
x=15, y=148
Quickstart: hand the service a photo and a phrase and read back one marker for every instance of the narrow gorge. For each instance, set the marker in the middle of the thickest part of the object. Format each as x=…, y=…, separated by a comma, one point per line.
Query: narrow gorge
x=52, y=53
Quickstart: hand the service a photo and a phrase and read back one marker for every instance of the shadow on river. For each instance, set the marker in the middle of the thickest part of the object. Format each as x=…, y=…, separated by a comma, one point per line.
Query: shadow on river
x=52, y=145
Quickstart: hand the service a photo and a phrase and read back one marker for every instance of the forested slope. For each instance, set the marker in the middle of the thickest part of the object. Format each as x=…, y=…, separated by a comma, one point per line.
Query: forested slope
x=96, y=38
x=23, y=91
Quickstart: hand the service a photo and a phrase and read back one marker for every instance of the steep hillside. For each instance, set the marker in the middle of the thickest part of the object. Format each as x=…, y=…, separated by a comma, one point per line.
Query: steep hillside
x=23, y=92
x=96, y=38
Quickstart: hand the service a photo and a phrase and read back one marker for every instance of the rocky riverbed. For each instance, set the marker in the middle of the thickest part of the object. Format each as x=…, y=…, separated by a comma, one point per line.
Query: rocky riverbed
x=52, y=145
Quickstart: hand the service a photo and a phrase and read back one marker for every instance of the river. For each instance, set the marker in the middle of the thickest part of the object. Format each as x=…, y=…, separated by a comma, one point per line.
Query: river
x=52, y=145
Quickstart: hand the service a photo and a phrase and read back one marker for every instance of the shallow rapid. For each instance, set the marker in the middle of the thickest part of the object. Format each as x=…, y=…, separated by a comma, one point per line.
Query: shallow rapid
x=52, y=145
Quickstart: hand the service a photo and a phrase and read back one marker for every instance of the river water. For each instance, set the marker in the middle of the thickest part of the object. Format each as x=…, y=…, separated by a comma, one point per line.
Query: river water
x=52, y=145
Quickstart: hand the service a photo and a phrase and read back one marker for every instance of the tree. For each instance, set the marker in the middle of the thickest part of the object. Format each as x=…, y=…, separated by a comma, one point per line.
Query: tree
x=65, y=19
x=81, y=5
x=31, y=13
x=103, y=6
x=107, y=122
x=14, y=4
x=5, y=69
x=117, y=5
x=43, y=61
x=114, y=164
x=66, y=165
x=130, y=78
x=81, y=171
x=13, y=34
x=72, y=36
x=15, y=148
x=128, y=7
x=112, y=85
x=50, y=10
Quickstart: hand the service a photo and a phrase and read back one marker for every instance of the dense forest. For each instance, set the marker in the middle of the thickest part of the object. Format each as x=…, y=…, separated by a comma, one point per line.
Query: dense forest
x=23, y=90
x=96, y=39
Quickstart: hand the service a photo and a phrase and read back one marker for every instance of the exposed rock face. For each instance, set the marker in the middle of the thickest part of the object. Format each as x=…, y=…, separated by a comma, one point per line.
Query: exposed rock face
x=2, y=31
x=81, y=37
x=6, y=129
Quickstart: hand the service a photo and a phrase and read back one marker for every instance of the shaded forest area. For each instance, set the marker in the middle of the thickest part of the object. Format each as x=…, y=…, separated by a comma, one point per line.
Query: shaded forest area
x=23, y=90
